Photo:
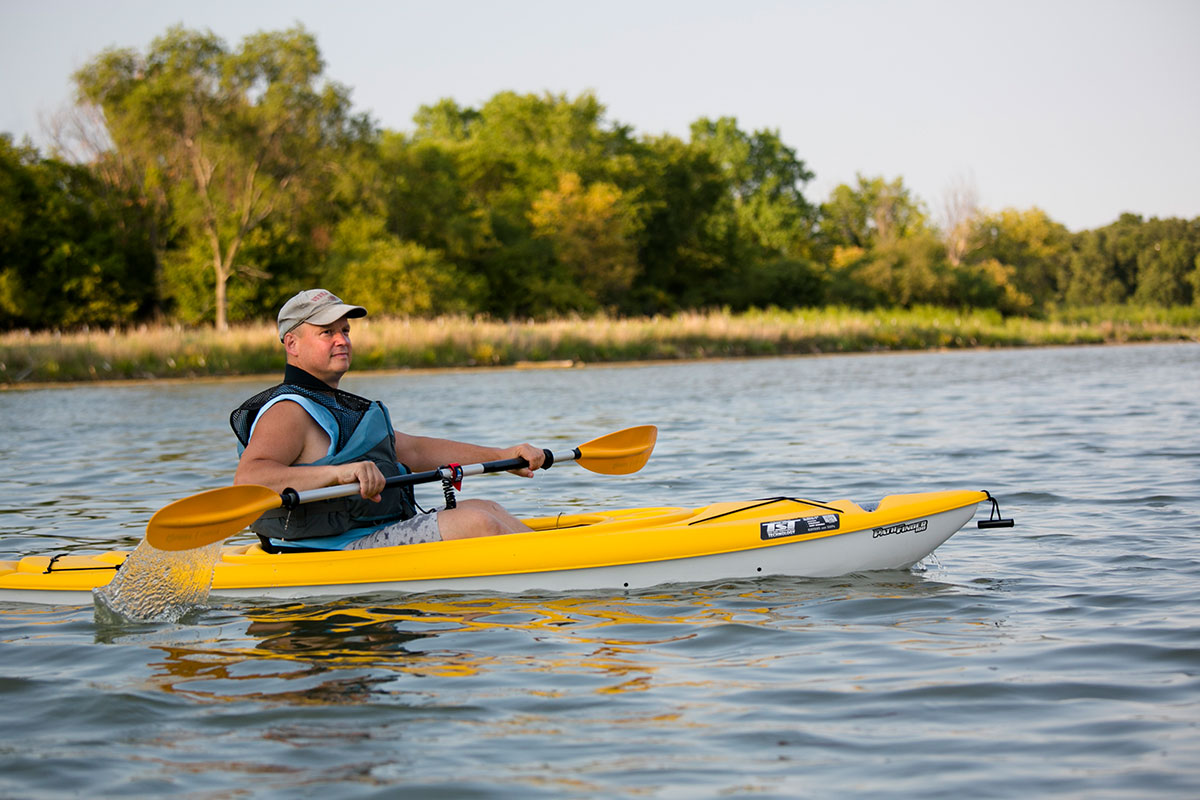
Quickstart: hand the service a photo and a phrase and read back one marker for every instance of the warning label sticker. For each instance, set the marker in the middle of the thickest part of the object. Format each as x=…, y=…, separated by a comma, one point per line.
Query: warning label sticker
x=796, y=527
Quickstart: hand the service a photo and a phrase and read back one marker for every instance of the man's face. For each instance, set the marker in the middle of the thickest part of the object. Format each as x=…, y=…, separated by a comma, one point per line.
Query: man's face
x=323, y=351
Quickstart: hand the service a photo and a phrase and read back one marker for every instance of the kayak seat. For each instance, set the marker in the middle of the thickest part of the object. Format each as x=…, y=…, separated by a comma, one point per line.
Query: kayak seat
x=270, y=547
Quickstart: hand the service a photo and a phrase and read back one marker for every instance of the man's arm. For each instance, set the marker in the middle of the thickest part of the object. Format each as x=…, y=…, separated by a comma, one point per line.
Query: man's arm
x=421, y=453
x=285, y=435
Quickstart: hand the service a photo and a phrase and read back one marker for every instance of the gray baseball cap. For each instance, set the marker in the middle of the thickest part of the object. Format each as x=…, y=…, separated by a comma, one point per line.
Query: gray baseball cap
x=315, y=306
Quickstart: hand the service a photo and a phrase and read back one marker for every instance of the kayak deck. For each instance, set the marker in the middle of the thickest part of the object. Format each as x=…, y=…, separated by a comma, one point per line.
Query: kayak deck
x=619, y=549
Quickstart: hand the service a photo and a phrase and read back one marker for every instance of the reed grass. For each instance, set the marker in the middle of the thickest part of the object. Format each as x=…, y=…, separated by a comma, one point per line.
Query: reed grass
x=388, y=344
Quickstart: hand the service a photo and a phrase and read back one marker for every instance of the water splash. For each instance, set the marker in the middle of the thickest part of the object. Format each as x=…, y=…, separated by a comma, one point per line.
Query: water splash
x=159, y=586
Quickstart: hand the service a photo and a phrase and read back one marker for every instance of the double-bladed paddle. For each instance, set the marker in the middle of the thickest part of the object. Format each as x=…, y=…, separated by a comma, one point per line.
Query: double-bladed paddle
x=214, y=515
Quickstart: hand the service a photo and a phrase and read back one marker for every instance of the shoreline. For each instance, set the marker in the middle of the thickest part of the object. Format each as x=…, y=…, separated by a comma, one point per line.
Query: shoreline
x=394, y=345
x=268, y=377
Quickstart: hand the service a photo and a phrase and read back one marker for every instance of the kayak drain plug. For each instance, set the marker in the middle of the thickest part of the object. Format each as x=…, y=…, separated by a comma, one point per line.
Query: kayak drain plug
x=994, y=520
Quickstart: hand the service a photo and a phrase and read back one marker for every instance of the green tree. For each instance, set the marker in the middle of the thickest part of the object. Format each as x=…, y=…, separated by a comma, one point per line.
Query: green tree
x=504, y=156
x=1091, y=277
x=681, y=253
x=765, y=183
x=760, y=235
x=873, y=212
x=236, y=137
x=593, y=232
x=400, y=277
x=883, y=250
x=907, y=271
x=1108, y=264
x=1030, y=251
x=445, y=121
x=1194, y=279
x=427, y=201
x=66, y=257
x=1168, y=260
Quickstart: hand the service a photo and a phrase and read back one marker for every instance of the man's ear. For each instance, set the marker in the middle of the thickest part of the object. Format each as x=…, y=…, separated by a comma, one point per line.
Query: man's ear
x=289, y=343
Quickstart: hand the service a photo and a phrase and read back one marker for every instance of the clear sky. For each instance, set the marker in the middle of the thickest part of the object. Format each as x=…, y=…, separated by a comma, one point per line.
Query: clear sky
x=1084, y=108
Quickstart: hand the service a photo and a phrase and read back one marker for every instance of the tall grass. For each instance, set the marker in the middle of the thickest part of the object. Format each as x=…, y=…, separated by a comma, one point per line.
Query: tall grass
x=382, y=343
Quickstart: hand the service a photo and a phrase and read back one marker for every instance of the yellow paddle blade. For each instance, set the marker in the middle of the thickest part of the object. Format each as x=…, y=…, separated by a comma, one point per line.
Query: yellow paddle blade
x=209, y=516
x=619, y=453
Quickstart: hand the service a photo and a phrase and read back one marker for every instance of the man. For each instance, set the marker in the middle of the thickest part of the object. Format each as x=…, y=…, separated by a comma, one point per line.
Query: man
x=306, y=433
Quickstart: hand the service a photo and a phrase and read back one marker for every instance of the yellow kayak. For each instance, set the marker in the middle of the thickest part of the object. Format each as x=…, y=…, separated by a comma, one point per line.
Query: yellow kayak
x=622, y=549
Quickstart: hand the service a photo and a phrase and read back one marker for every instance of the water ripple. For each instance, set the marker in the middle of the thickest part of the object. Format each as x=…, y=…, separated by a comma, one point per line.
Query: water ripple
x=1056, y=659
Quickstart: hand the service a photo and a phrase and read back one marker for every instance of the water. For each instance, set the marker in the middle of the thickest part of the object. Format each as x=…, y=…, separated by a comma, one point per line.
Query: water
x=158, y=586
x=1056, y=659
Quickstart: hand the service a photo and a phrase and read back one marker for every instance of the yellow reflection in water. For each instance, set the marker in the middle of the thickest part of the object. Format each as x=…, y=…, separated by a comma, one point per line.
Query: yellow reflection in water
x=355, y=650
x=434, y=637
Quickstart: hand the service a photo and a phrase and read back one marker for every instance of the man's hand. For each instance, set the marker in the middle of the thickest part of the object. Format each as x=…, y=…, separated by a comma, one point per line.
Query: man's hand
x=368, y=477
x=533, y=455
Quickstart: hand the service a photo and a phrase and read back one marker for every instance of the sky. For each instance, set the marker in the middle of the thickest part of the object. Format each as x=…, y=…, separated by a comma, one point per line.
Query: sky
x=1085, y=109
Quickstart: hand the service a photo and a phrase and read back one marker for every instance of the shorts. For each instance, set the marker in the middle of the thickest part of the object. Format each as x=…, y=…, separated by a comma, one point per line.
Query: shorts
x=415, y=530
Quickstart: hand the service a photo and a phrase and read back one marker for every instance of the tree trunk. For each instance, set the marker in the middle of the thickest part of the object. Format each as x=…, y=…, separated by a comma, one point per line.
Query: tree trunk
x=222, y=322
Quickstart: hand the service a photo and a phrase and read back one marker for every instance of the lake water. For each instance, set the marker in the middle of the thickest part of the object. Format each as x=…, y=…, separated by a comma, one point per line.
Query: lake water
x=1060, y=658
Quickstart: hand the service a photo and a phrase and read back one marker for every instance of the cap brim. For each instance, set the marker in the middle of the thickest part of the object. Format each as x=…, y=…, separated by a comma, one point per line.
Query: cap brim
x=335, y=312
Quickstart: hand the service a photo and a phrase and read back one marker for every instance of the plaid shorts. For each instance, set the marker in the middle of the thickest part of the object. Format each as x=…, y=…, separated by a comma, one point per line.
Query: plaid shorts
x=416, y=530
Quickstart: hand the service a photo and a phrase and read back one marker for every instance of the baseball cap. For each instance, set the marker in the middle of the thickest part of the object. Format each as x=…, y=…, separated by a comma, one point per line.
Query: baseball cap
x=315, y=306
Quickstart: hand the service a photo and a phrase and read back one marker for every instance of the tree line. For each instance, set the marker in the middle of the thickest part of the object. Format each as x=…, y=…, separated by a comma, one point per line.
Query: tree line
x=204, y=184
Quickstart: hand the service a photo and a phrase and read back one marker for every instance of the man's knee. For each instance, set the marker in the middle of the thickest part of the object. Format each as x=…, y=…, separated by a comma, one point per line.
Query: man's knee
x=483, y=506
x=470, y=519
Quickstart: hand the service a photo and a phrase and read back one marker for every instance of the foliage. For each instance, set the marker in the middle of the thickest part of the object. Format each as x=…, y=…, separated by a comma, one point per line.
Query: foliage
x=1153, y=261
x=765, y=181
x=494, y=165
x=67, y=258
x=1025, y=252
x=235, y=137
x=875, y=212
x=681, y=250
x=592, y=233
x=402, y=277
x=219, y=181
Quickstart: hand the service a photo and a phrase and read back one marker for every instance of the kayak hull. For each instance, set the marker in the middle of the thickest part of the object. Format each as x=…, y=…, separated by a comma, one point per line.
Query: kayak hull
x=625, y=549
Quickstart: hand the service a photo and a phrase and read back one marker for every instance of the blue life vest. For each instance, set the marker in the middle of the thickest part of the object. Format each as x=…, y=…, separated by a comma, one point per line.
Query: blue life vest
x=359, y=430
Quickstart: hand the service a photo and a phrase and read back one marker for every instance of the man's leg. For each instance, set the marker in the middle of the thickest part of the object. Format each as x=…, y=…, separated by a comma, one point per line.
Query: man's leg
x=473, y=518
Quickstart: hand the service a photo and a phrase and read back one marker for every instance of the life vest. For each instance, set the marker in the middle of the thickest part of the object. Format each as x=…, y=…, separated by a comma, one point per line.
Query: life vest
x=359, y=430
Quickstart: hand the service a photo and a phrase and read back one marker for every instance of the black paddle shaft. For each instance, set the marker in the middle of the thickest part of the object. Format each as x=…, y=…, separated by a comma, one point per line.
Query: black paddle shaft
x=291, y=498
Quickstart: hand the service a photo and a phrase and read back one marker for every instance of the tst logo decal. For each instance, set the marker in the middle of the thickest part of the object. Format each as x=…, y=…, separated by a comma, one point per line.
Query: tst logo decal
x=796, y=527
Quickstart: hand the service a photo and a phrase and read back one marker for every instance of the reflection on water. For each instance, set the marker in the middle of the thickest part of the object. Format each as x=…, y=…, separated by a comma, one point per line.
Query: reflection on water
x=627, y=638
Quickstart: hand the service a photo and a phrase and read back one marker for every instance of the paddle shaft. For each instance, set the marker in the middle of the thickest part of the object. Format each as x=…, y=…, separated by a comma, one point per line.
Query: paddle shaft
x=291, y=498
